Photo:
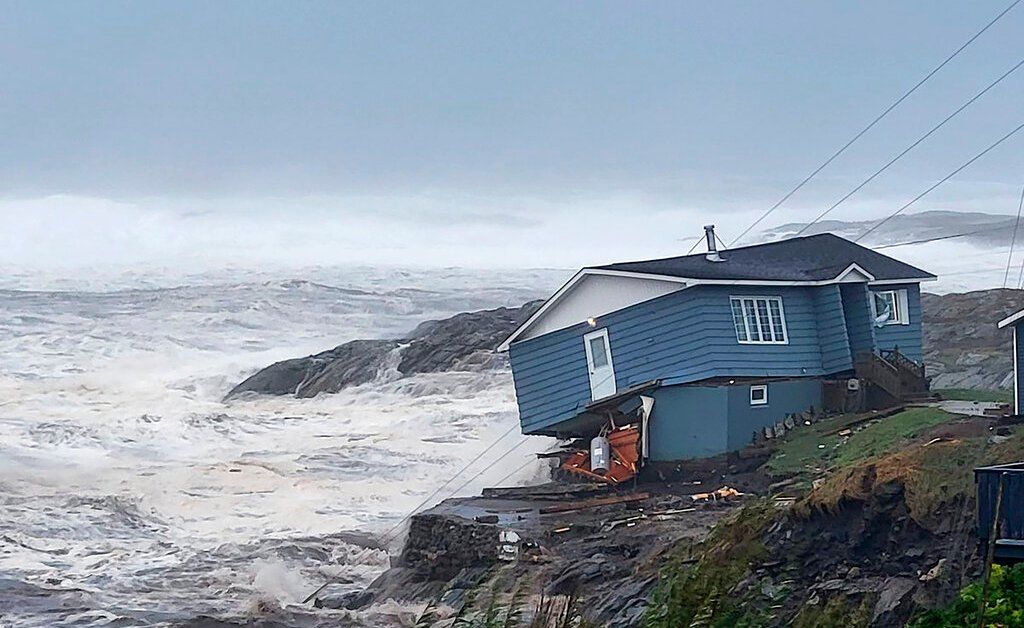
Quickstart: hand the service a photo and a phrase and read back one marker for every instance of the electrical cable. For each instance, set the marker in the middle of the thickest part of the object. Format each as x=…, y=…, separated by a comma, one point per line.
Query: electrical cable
x=1016, y=225
x=940, y=182
x=875, y=121
x=912, y=146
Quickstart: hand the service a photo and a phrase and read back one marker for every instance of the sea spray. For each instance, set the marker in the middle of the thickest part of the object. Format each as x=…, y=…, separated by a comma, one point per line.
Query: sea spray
x=132, y=493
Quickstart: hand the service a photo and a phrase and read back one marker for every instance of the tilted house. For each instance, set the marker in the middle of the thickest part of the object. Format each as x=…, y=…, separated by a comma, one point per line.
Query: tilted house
x=725, y=343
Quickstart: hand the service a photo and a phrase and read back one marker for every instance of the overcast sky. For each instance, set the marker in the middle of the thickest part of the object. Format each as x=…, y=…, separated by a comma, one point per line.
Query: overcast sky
x=476, y=133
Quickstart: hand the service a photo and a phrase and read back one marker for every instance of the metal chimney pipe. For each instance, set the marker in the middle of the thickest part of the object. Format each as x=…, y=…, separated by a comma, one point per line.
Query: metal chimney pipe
x=712, y=254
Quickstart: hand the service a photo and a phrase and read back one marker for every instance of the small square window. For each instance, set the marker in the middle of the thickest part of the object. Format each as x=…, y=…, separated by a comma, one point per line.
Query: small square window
x=759, y=395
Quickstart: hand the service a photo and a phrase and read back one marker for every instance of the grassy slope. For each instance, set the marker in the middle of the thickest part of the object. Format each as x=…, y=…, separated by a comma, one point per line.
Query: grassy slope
x=933, y=473
x=965, y=394
x=811, y=450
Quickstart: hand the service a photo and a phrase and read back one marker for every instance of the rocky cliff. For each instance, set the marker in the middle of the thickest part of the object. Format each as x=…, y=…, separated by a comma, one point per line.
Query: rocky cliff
x=963, y=348
x=464, y=341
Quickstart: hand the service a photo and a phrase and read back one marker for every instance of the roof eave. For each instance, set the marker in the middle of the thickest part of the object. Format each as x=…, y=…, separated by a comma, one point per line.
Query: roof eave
x=1011, y=319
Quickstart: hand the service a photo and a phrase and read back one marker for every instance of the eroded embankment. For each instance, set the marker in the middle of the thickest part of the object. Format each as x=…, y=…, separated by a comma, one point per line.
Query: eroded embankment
x=865, y=523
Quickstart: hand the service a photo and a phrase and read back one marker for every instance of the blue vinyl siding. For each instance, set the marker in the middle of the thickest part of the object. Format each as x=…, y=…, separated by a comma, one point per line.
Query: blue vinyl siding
x=688, y=422
x=832, y=334
x=692, y=421
x=857, y=312
x=681, y=337
x=689, y=336
x=784, y=398
x=906, y=337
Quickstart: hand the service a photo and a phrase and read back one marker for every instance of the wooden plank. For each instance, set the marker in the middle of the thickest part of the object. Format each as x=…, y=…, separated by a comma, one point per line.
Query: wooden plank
x=594, y=503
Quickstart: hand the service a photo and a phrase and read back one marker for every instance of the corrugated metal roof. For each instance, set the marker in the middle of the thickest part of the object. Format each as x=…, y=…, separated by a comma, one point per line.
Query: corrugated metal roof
x=817, y=257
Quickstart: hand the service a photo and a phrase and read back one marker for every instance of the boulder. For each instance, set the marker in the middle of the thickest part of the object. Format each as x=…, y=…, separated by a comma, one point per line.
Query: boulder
x=463, y=342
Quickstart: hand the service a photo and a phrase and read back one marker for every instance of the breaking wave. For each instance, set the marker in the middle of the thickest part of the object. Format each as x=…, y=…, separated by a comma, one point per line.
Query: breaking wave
x=132, y=495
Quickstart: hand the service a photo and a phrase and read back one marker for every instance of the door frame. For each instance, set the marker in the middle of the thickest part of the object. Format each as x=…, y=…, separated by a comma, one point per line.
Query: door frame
x=600, y=333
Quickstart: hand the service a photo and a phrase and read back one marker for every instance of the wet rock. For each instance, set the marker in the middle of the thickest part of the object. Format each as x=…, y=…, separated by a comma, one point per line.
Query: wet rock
x=440, y=546
x=462, y=342
x=336, y=597
x=895, y=593
x=935, y=572
x=962, y=346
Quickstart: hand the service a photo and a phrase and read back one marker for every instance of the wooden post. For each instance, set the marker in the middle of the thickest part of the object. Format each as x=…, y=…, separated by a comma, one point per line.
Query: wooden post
x=990, y=550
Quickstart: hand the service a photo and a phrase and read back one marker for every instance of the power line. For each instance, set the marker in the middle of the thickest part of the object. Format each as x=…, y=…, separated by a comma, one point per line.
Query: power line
x=875, y=121
x=940, y=182
x=1016, y=225
x=913, y=146
x=438, y=490
x=388, y=536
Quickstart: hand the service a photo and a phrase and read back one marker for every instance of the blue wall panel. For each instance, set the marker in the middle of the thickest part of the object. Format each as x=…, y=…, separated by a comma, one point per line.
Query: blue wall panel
x=693, y=421
x=685, y=336
x=688, y=422
x=857, y=312
x=784, y=398
x=688, y=336
x=832, y=334
x=906, y=337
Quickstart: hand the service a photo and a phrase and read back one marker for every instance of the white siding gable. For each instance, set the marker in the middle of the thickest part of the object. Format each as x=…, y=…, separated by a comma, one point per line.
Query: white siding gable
x=596, y=295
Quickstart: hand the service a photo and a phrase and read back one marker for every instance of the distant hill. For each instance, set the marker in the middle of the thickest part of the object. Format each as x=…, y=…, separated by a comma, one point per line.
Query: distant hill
x=995, y=229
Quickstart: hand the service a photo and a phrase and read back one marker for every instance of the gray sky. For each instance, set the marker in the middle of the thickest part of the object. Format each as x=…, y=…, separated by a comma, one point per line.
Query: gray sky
x=476, y=133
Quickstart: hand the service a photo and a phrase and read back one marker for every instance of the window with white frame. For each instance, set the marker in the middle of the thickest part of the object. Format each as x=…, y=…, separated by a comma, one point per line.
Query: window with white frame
x=759, y=395
x=890, y=307
x=759, y=320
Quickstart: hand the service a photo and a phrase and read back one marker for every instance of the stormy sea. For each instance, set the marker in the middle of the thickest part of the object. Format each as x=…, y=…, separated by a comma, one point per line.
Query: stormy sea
x=132, y=494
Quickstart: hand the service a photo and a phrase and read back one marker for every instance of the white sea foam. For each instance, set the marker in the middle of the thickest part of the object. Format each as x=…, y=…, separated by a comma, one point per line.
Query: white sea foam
x=130, y=492
x=134, y=493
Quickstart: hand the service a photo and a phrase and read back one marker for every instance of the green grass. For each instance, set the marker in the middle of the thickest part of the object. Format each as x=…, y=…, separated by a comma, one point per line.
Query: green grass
x=967, y=394
x=802, y=453
x=888, y=434
x=1005, y=603
x=702, y=593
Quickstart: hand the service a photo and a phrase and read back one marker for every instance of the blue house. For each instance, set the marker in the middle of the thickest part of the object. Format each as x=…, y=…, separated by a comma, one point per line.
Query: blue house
x=703, y=351
x=1016, y=323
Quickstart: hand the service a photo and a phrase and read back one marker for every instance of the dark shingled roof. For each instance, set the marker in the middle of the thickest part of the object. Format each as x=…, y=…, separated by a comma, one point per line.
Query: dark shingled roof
x=817, y=257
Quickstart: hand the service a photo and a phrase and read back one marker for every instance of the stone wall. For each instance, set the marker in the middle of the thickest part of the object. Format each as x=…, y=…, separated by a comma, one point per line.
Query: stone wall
x=439, y=546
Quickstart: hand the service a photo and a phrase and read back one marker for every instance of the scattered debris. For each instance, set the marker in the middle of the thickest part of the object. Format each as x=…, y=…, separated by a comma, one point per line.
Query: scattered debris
x=594, y=503
x=508, y=548
x=723, y=493
x=625, y=455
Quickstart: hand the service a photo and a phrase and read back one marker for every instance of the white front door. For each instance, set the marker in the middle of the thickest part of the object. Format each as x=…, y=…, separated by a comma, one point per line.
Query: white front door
x=599, y=363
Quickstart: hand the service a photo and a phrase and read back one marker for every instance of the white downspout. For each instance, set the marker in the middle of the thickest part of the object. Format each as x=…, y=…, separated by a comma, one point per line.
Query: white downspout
x=646, y=405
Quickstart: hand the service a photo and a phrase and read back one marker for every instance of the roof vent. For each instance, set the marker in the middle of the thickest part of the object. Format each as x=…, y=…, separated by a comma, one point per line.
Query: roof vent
x=712, y=254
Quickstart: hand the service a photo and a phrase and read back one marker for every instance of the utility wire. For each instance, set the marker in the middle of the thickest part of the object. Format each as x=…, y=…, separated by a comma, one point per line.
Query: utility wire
x=1016, y=225
x=1020, y=276
x=912, y=146
x=389, y=536
x=695, y=245
x=438, y=490
x=875, y=121
x=940, y=182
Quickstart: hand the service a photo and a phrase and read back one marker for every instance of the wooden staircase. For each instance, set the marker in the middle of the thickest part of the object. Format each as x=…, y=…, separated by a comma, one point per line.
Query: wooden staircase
x=899, y=376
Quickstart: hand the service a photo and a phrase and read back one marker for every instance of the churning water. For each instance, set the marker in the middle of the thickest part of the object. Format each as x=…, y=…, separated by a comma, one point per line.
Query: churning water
x=131, y=494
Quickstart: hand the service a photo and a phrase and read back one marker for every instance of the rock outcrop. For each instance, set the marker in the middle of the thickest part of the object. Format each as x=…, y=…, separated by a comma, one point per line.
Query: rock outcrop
x=464, y=341
x=963, y=347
